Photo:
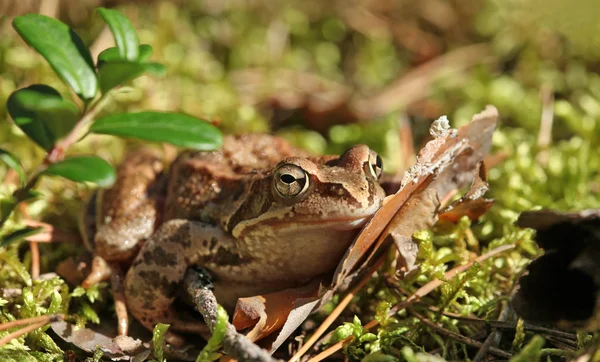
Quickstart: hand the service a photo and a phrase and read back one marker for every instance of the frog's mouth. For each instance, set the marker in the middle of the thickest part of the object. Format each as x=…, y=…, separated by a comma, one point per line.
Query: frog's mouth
x=337, y=224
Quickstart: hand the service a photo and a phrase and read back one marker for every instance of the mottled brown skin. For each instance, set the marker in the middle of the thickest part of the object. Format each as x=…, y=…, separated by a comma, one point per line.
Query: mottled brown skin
x=258, y=214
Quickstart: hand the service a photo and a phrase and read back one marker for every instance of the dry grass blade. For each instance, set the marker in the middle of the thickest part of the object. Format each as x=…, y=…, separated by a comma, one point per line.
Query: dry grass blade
x=33, y=324
x=416, y=84
x=421, y=292
x=337, y=311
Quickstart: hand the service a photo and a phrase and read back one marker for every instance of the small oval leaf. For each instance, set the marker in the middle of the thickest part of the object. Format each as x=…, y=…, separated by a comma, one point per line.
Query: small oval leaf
x=112, y=54
x=28, y=120
x=176, y=128
x=145, y=52
x=115, y=73
x=40, y=103
x=84, y=169
x=13, y=162
x=124, y=33
x=62, y=48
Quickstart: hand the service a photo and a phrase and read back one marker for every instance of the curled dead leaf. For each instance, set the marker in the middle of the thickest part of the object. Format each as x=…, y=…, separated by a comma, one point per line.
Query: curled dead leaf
x=562, y=286
x=472, y=204
x=122, y=348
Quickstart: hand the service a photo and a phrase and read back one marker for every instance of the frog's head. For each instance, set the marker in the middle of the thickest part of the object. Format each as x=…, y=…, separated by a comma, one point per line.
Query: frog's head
x=321, y=193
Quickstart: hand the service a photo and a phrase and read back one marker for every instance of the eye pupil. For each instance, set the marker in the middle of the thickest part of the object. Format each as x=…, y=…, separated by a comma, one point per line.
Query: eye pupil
x=287, y=178
x=375, y=165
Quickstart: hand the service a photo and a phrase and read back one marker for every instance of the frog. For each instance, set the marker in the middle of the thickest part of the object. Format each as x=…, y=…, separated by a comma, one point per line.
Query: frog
x=258, y=214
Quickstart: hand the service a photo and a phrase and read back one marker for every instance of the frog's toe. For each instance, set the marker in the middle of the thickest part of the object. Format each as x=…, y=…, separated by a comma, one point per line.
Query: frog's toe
x=100, y=272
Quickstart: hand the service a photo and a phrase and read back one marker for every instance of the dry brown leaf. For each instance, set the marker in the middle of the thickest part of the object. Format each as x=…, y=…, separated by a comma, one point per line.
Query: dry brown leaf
x=472, y=204
x=118, y=349
x=446, y=163
x=268, y=313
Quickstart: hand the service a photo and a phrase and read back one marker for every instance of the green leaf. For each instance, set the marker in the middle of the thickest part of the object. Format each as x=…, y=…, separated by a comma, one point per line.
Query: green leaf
x=11, y=161
x=158, y=340
x=209, y=352
x=145, y=52
x=175, y=128
x=531, y=352
x=124, y=33
x=112, y=54
x=114, y=73
x=84, y=169
x=41, y=112
x=28, y=120
x=89, y=313
x=7, y=205
x=62, y=48
x=18, y=235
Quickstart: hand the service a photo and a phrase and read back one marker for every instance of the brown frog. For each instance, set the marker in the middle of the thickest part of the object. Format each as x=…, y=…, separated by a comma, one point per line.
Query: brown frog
x=259, y=215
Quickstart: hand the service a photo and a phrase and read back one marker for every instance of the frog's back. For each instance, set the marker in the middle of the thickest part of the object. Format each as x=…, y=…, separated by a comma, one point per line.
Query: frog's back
x=204, y=185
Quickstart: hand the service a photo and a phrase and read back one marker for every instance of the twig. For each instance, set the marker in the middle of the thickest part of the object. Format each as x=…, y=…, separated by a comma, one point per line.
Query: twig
x=563, y=343
x=21, y=322
x=432, y=285
x=485, y=347
x=493, y=340
x=421, y=292
x=34, y=323
x=35, y=259
x=234, y=344
x=457, y=337
x=545, y=134
x=33, y=248
x=508, y=325
x=337, y=311
x=118, y=291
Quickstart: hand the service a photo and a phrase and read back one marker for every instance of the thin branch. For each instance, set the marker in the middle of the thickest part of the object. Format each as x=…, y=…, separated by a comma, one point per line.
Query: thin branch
x=432, y=285
x=234, y=344
x=509, y=325
x=34, y=323
x=493, y=340
x=458, y=337
x=35, y=259
x=57, y=153
x=21, y=322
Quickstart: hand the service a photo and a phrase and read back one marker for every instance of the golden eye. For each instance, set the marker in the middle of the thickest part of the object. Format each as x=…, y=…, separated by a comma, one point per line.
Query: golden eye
x=375, y=164
x=290, y=180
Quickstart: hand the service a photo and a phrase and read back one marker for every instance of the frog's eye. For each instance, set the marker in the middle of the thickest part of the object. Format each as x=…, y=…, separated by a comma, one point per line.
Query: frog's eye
x=290, y=180
x=375, y=164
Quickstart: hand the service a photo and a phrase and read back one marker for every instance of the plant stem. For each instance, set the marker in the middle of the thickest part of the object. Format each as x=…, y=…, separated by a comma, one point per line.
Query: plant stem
x=57, y=153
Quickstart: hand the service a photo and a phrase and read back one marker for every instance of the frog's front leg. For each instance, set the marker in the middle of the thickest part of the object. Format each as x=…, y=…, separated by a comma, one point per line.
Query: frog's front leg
x=156, y=274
